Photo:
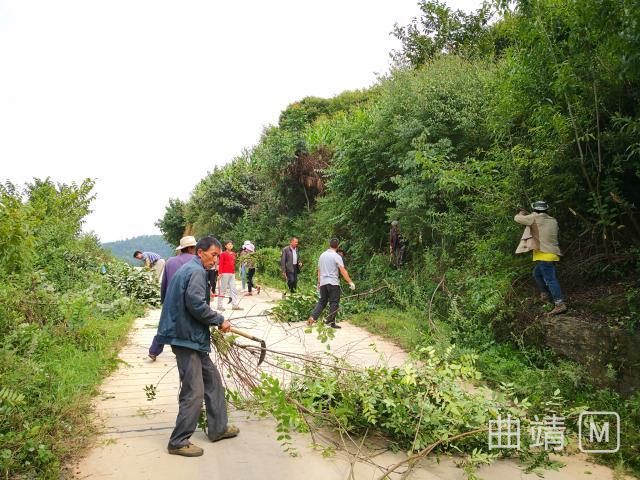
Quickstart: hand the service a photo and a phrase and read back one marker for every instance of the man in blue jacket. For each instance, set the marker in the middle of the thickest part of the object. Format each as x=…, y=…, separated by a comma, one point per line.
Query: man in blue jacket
x=184, y=324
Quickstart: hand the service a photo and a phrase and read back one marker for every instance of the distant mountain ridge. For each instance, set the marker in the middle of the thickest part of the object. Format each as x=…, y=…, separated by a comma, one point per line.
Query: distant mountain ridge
x=123, y=249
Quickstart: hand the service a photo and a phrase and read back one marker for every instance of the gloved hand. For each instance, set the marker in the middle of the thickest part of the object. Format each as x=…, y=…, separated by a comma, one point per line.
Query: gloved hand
x=352, y=285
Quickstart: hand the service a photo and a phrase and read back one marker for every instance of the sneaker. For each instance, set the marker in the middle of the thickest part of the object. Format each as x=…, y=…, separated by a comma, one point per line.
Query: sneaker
x=334, y=325
x=189, y=450
x=258, y=290
x=544, y=296
x=248, y=294
x=237, y=307
x=557, y=310
x=230, y=432
x=153, y=357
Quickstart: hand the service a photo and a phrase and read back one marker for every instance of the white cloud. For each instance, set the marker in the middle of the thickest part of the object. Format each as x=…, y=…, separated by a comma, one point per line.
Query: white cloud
x=146, y=96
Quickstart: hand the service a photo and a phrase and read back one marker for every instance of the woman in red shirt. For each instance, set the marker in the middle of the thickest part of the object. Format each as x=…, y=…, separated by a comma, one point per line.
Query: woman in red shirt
x=227, y=275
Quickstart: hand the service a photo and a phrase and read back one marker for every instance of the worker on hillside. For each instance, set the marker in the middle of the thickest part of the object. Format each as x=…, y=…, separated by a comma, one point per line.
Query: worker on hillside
x=152, y=261
x=184, y=324
x=330, y=266
x=541, y=237
x=396, y=245
x=185, y=252
x=290, y=264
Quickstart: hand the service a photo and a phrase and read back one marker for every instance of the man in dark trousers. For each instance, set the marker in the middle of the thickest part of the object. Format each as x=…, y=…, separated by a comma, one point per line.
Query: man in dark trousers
x=290, y=264
x=184, y=324
x=396, y=245
x=330, y=267
x=186, y=252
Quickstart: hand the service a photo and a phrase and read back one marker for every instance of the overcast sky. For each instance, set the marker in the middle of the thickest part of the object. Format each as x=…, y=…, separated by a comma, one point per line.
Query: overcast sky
x=147, y=96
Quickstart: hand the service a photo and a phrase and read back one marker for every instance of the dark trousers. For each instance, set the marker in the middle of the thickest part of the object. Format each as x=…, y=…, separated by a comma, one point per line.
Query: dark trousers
x=213, y=280
x=398, y=255
x=544, y=274
x=250, y=273
x=292, y=281
x=199, y=380
x=328, y=294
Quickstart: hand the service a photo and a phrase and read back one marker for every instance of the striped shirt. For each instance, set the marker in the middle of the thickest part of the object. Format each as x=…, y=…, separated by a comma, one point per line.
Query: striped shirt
x=150, y=257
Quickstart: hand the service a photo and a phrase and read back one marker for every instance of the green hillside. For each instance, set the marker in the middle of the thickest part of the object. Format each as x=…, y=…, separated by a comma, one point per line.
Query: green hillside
x=123, y=249
x=483, y=114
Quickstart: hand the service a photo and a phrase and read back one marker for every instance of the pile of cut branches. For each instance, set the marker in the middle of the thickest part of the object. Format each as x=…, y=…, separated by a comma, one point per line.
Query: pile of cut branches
x=431, y=404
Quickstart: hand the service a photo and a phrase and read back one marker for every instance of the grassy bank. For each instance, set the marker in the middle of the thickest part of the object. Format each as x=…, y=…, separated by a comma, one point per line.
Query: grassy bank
x=403, y=328
x=49, y=419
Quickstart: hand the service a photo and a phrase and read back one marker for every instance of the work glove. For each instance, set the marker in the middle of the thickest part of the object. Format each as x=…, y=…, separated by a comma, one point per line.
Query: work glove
x=352, y=285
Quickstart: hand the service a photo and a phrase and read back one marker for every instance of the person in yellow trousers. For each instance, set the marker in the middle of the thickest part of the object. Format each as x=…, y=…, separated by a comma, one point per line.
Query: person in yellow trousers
x=541, y=237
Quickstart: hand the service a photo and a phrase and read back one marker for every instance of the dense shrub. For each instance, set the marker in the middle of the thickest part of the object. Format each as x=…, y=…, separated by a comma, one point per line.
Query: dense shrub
x=57, y=311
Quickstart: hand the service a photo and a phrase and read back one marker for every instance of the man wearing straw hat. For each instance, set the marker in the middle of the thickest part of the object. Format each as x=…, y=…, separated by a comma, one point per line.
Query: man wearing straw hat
x=185, y=252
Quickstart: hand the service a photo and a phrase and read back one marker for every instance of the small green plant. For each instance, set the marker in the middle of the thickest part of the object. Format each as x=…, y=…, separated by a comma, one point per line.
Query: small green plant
x=295, y=307
x=151, y=392
x=324, y=333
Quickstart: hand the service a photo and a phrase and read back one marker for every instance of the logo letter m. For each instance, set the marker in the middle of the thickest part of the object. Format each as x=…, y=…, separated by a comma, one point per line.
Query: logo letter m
x=600, y=436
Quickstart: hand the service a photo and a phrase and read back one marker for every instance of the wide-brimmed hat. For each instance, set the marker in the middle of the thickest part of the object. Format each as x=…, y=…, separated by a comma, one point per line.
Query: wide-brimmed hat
x=187, y=241
x=249, y=246
x=540, y=205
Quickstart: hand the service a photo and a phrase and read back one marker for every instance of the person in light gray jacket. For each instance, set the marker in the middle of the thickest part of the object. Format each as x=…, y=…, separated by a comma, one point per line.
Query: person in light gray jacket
x=541, y=237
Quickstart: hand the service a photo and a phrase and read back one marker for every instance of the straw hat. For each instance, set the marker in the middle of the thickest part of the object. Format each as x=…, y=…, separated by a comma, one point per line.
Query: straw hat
x=187, y=241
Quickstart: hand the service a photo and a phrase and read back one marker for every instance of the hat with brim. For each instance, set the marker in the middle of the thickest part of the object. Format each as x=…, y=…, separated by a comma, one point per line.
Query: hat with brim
x=187, y=241
x=540, y=205
x=249, y=246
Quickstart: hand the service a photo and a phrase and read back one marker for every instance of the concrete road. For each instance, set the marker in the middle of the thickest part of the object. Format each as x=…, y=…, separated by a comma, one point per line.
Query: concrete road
x=134, y=431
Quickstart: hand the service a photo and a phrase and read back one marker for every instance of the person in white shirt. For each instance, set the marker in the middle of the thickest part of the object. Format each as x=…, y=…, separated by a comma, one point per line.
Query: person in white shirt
x=330, y=266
